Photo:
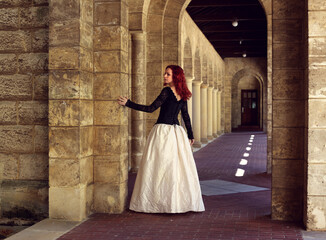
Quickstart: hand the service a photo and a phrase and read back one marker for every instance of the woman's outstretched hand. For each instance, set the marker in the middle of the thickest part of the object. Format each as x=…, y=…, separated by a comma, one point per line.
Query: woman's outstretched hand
x=122, y=100
x=191, y=141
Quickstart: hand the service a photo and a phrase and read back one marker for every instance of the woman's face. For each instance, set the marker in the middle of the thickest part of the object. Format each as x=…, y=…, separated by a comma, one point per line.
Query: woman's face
x=168, y=76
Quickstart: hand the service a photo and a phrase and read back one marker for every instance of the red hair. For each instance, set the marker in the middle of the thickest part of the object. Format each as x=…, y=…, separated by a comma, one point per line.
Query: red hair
x=179, y=82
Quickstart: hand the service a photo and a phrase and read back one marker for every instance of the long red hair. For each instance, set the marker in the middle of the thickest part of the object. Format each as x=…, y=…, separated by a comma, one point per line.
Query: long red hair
x=179, y=81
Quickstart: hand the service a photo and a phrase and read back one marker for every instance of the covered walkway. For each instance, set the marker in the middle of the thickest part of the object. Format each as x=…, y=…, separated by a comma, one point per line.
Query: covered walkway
x=237, y=207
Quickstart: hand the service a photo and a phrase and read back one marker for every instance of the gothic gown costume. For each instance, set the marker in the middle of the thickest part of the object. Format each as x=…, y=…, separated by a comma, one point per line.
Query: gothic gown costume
x=167, y=179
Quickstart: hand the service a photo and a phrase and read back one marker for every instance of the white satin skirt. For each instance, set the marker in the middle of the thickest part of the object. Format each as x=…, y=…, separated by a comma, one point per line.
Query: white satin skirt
x=167, y=179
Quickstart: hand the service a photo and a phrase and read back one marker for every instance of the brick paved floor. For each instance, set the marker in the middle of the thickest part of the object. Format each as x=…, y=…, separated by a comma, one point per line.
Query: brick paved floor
x=231, y=216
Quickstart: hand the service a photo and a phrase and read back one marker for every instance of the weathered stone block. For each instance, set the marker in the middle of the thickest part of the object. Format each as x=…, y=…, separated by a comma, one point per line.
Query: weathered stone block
x=110, y=38
x=67, y=203
x=108, y=13
x=86, y=85
x=316, y=23
x=109, y=113
x=15, y=3
x=287, y=55
x=86, y=59
x=33, y=112
x=65, y=33
x=8, y=166
x=136, y=21
x=155, y=81
x=109, y=86
x=107, y=140
x=15, y=41
x=63, y=58
x=288, y=143
x=316, y=209
x=8, y=113
x=41, y=87
x=64, y=142
x=101, y=60
x=86, y=35
x=27, y=199
x=61, y=10
x=287, y=84
x=317, y=113
x=8, y=63
x=107, y=169
x=86, y=170
x=86, y=11
x=34, y=17
x=110, y=198
x=34, y=167
x=64, y=113
x=16, y=139
x=287, y=31
x=286, y=204
x=33, y=62
x=64, y=172
x=316, y=145
x=287, y=174
x=41, y=139
x=40, y=40
x=317, y=5
x=41, y=2
x=64, y=85
x=87, y=139
x=86, y=112
x=288, y=113
x=316, y=179
x=9, y=18
x=317, y=47
x=287, y=9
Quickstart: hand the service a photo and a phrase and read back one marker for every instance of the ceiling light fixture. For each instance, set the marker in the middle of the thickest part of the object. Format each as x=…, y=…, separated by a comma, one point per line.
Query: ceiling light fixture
x=240, y=42
x=244, y=54
x=235, y=23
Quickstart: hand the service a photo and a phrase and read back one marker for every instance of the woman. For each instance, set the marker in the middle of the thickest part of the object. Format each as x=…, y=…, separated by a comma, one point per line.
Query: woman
x=167, y=179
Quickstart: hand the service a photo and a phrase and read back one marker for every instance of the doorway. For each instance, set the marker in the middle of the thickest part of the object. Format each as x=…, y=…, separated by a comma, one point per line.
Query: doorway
x=249, y=108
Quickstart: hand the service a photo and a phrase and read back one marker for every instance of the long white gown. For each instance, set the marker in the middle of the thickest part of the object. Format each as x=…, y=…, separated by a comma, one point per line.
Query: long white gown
x=167, y=179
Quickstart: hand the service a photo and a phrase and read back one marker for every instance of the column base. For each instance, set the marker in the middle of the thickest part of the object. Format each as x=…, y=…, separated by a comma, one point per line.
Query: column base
x=210, y=137
x=204, y=140
x=197, y=144
x=215, y=135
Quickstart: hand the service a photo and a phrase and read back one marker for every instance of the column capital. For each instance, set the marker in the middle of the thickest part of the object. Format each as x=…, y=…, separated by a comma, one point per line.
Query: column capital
x=196, y=83
x=189, y=79
x=137, y=35
x=210, y=87
x=204, y=85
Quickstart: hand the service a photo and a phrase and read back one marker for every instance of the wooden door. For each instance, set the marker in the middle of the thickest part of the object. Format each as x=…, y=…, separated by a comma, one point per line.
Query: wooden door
x=249, y=107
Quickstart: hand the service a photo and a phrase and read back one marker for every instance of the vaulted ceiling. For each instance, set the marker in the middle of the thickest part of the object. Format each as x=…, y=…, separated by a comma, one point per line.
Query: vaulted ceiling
x=215, y=17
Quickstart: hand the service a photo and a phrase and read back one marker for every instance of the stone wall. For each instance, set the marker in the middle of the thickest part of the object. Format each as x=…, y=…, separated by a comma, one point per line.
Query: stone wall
x=24, y=109
x=315, y=162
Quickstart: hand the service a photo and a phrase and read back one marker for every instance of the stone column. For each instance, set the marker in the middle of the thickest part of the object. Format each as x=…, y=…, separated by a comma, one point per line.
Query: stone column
x=210, y=113
x=203, y=113
x=219, y=115
x=215, y=113
x=315, y=162
x=190, y=101
x=196, y=111
x=110, y=119
x=71, y=109
x=138, y=94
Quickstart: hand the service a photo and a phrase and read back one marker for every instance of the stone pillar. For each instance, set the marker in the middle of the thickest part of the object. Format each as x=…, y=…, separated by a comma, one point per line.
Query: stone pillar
x=71, y=109
x=190, y=101
x=315, y=162
x=110, y=119
x=203, y=113
x=196, y=111
x=215, y=113
x=210, y=113
x=138, y=94
x=219, y=115
x=288, y=110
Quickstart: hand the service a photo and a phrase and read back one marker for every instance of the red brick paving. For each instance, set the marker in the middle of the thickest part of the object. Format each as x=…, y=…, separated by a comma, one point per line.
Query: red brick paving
x=233, y=216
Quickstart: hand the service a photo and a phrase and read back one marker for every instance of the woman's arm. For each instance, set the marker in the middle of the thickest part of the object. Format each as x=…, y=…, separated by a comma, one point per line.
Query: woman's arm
x=151, y=108
x=186, y=119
